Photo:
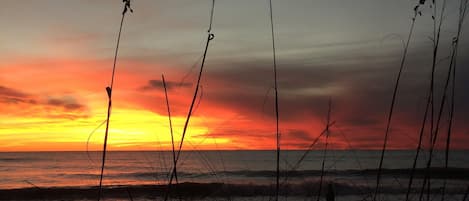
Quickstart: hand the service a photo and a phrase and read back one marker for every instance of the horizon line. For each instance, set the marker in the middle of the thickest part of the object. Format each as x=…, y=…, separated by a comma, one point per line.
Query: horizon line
x=194, y=150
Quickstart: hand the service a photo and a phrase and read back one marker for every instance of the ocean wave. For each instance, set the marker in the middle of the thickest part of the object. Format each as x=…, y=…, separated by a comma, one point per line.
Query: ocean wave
x=200, y=190
x=435, y=172
x=16, y=159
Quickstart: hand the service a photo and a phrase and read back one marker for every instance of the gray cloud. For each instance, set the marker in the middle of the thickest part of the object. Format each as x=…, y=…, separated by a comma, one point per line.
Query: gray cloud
x=158, y=85
x=68, y=103
x=13, y=96
x=5, y=91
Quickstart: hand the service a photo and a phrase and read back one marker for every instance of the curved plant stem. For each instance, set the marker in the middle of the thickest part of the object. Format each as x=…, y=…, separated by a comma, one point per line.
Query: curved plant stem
x=277, y=183
x=325, y=150
x=391, y=109
x=109, y=94
x=210, y=37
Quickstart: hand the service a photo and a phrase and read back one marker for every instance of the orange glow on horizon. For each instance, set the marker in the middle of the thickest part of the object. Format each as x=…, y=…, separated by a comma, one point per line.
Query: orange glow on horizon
x=129, y=130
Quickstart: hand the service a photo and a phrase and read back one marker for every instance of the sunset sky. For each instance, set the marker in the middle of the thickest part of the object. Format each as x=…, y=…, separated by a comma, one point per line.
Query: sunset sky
x=56, y=61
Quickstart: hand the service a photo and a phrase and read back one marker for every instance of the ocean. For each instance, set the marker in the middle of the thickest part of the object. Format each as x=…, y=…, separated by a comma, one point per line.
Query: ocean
x=216, y=175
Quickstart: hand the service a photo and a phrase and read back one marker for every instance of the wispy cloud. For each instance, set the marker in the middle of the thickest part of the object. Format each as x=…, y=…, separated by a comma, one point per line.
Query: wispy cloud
x=10, y=95
x=68, y=103
x=17, y=103
x=158, y=85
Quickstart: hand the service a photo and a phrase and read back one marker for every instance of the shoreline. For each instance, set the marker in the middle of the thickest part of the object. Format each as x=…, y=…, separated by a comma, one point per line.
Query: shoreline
x=198, y=191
